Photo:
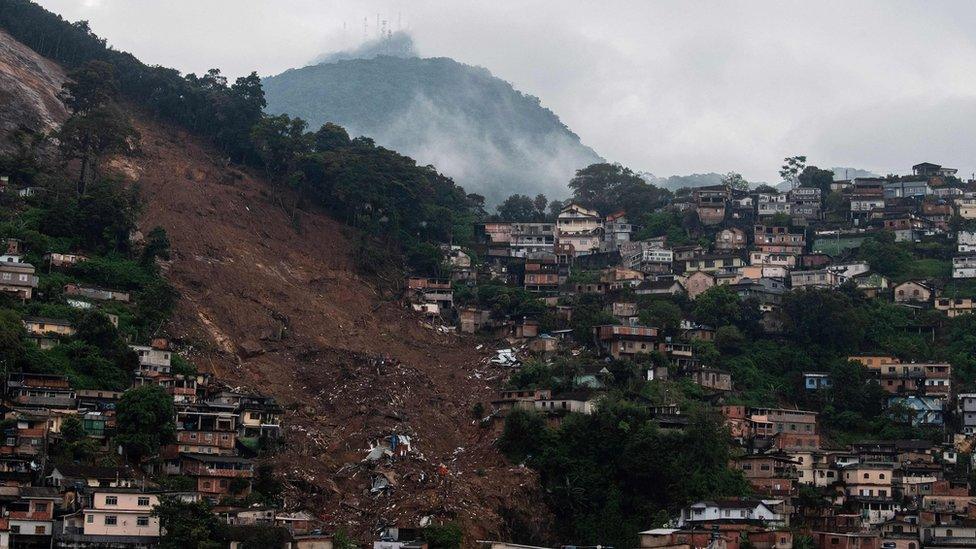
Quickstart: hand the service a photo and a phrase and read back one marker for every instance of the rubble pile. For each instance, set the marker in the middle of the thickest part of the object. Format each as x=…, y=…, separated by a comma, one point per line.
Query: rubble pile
x=350, y=365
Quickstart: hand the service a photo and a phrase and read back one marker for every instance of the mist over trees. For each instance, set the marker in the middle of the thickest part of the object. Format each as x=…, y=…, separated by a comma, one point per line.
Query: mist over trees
x=475, y=127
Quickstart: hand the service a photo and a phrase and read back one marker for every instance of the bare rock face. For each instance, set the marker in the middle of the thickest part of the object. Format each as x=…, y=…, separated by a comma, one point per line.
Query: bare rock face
x=29, y=86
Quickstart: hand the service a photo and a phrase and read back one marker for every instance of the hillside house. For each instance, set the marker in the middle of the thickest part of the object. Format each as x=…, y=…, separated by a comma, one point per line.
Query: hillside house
x=625, y=341
x=814, y=381
x=767, y=291
x=472, y=319
x=771, y=475
x=954, y=307
x=805, y=203
x=41, y=391
x=57, y=259
x=436, y=293
x=646, y=256
x=116, y=517
x=581, y=228
x=96, y=293
x=664, y=286
x=730, y=239
x=914, y=291
x=543, y=274
x=528, y=239
x=964, y=266
x=967, y=412
x=616, y=231
x=46, y=332
x=966, y=242
x=153, y=359
x=713, y=379
x=777, y=259
x=713, y=263
x=966, y=207
x=697, y=283
x=17, y=277
x=733, y=510
x=907, y=189
x=30, y=518
x=710, y=203
x=928, y=169
x=815, y=279
x=579, y=402
x=770, y=204
x=778, y=239
x=63, y=475
x=925, y=410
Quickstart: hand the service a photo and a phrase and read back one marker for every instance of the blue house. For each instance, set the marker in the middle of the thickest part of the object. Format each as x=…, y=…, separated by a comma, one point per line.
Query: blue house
x=813, y=381
x=929, y=411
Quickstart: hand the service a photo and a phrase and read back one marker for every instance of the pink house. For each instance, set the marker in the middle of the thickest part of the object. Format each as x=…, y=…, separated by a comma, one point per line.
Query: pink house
x=121, y=512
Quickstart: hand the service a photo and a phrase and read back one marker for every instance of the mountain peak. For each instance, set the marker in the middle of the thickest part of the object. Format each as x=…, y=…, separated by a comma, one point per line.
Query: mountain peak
x=396, y=44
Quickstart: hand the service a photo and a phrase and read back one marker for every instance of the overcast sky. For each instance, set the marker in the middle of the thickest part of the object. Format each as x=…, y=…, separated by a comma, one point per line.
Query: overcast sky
x=671, y=87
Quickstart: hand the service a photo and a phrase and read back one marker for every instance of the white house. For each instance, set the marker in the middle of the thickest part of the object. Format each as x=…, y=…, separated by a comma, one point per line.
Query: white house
x=727, y=510
x=966, y=242
x=964, y=266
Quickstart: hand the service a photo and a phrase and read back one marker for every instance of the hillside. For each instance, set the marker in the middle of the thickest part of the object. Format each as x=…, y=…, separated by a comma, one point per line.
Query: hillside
x=29, y=86
x=283, y=311
x=475, y=127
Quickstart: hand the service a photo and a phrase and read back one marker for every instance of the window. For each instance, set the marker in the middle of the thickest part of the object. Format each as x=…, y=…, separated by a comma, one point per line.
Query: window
x=111, y=500
x=881, y=476
x=40, y=507
x=142, y=521
x=39, y=530
x=143, y=501
x=111, y=520
x=14, y=528
x=90, y=519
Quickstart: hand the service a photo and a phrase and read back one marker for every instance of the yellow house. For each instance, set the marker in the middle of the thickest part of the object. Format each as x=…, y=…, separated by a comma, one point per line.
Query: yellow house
x=37, y=326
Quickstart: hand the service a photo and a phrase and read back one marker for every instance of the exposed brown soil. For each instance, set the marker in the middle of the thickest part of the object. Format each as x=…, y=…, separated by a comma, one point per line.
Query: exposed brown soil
x=351, y=367
x=282, y=310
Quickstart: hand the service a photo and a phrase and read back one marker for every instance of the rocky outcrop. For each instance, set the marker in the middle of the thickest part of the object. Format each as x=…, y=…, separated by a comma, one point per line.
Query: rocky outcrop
x=29, y=86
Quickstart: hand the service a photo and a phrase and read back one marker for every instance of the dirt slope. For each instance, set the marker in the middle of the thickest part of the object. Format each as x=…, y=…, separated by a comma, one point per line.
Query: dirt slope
x=281, y=310
x=351, y=367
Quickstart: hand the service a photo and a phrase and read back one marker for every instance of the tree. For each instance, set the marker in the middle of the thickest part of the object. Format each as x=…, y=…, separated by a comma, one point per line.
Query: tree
x=331, y=137
x=662, y=314
x=157, y=245
x=186, y=525
x=823, y=320
x=96, y=127
x=518, y=208
x=11, y=339
x=145, y=420
x=555, y=206
x=717, y=306
x=279, y=141
x=611, y=187
x=812, y=176
x=735, y=181
x=791, y=169
x=93, y=135
x=72, y=429
x=444, y=536
x=90, y=87
x=540, y=201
